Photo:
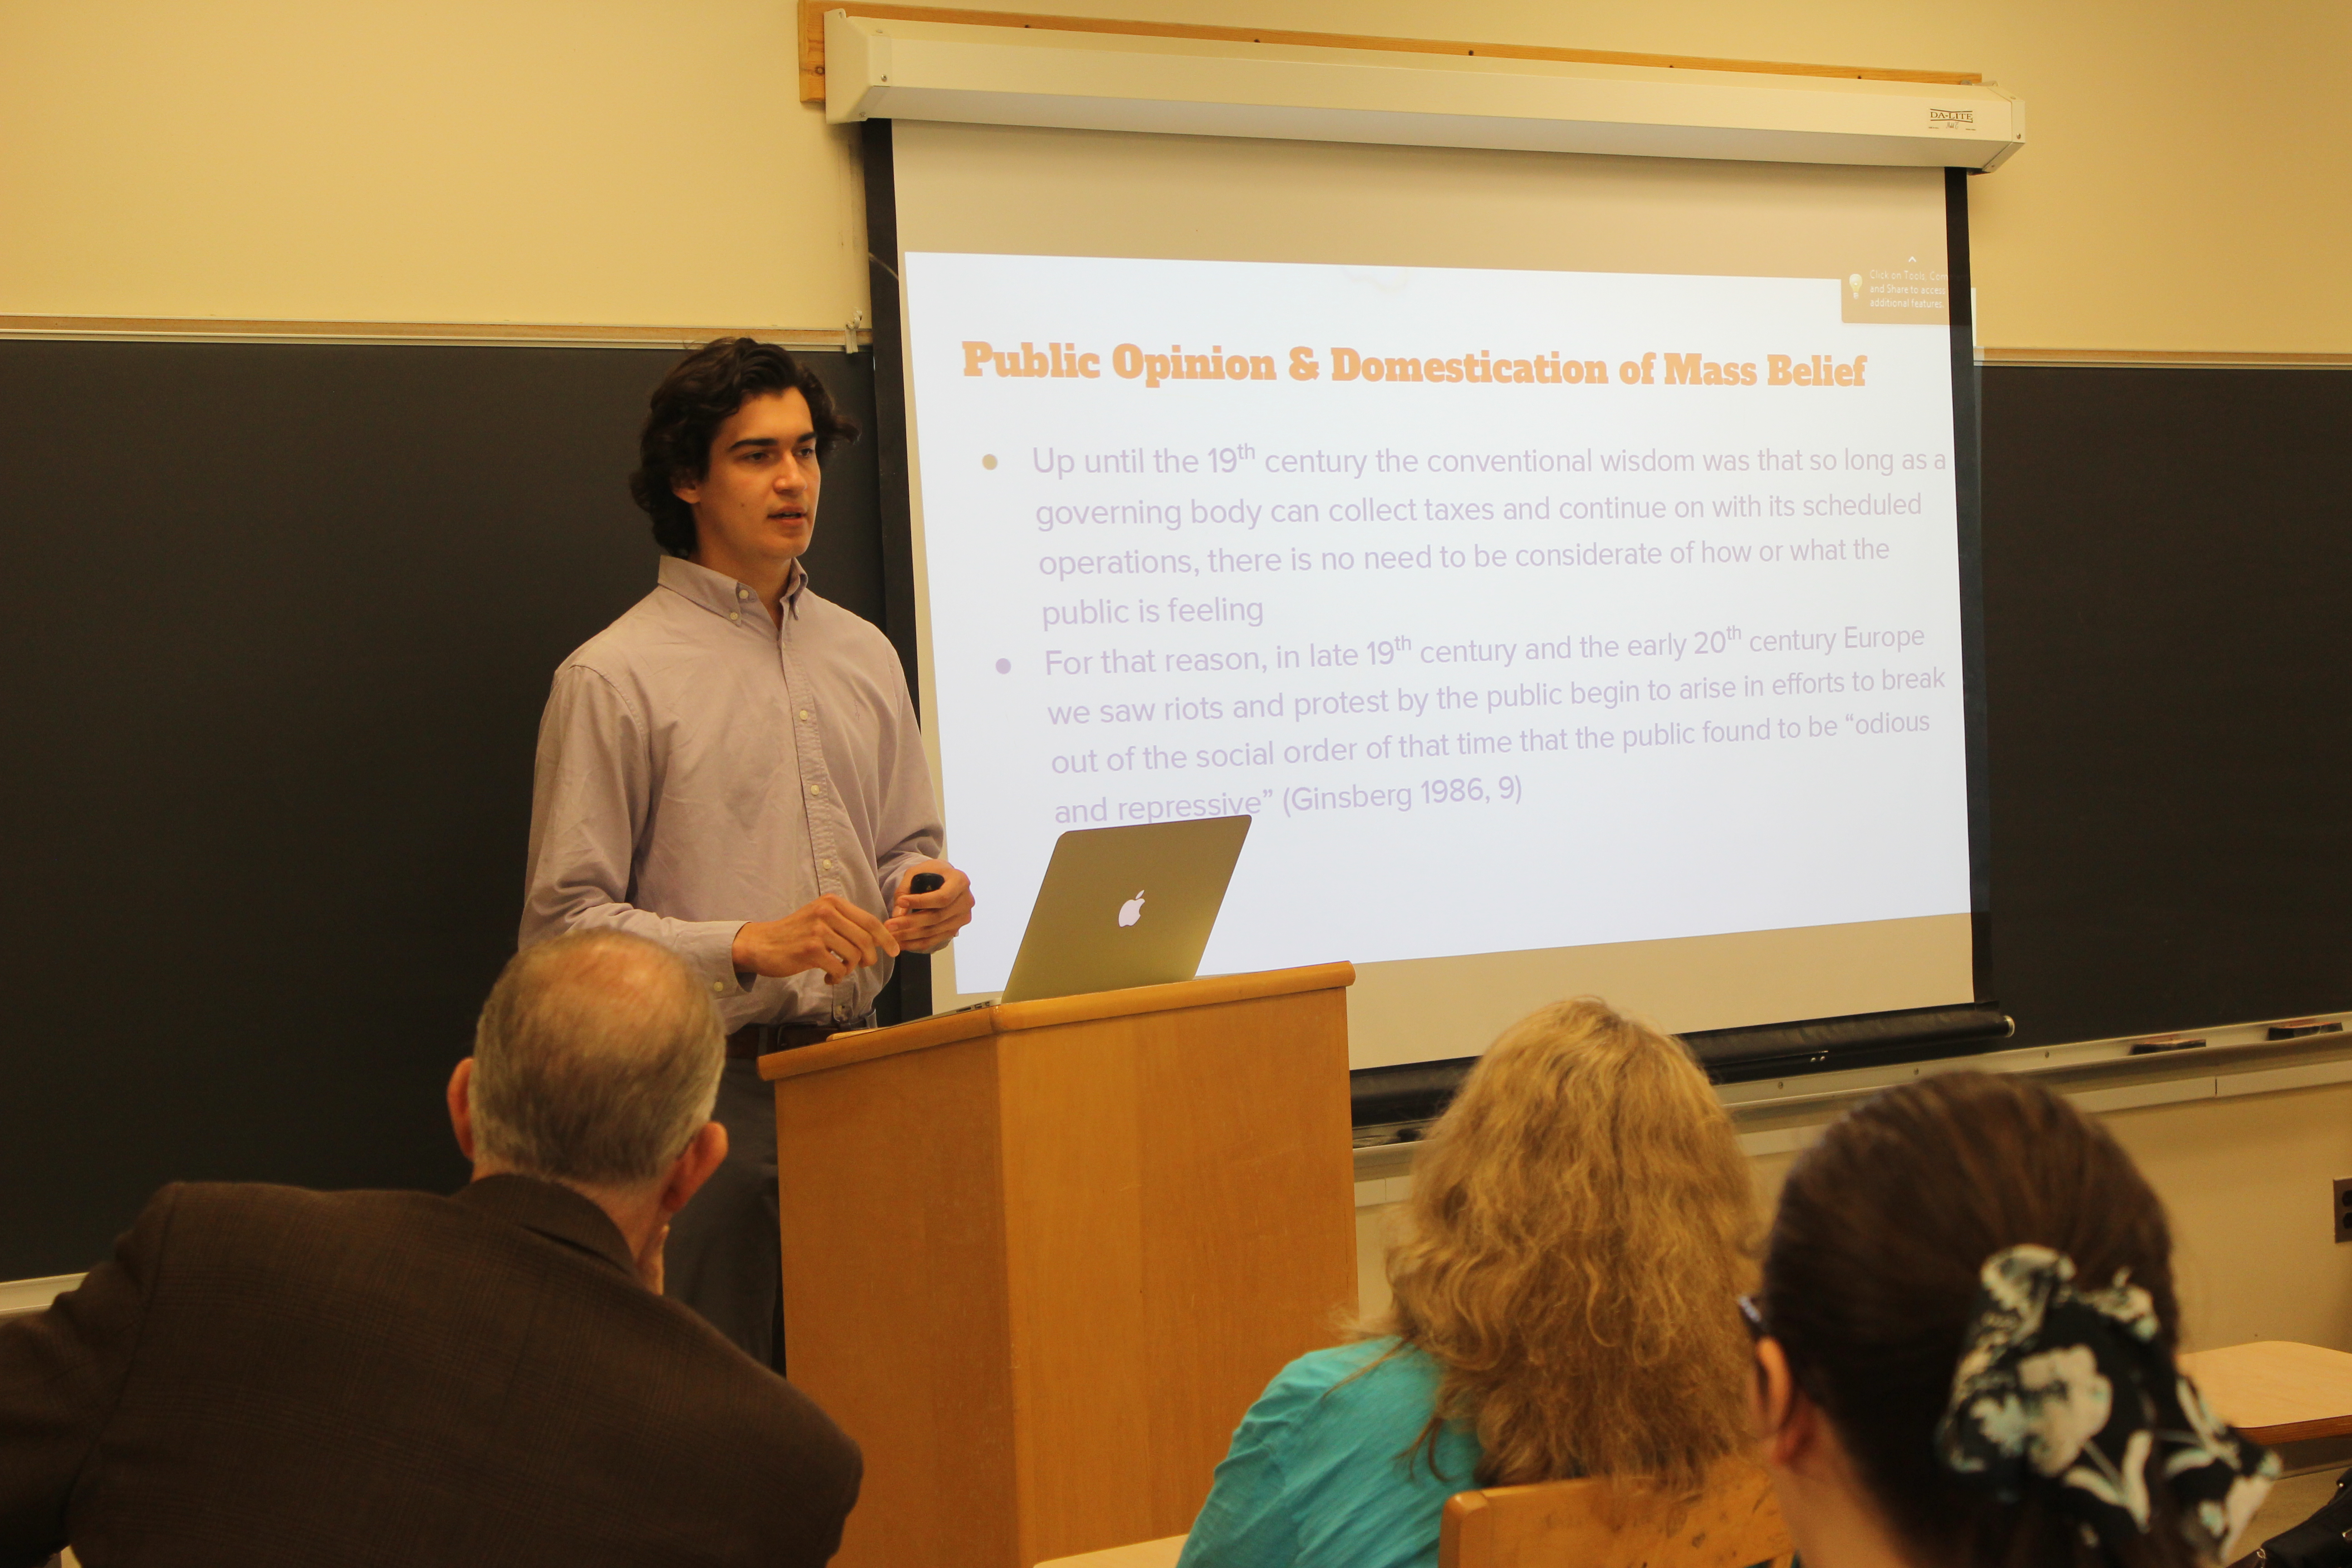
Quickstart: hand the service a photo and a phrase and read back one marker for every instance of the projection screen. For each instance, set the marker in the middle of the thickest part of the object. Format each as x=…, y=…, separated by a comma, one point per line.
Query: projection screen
x=1557, y=557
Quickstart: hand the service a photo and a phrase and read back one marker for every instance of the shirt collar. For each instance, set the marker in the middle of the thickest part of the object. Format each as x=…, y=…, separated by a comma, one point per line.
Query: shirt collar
x=717, y=591
x=555, y=1212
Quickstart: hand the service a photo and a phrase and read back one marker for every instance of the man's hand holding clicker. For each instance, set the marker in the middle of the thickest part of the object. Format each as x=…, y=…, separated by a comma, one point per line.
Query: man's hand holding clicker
x=923, y=922
x=831, y=935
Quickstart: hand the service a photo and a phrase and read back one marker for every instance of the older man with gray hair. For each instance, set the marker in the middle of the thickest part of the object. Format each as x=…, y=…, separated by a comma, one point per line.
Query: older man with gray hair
x=603, y=1083
x=265, y=1375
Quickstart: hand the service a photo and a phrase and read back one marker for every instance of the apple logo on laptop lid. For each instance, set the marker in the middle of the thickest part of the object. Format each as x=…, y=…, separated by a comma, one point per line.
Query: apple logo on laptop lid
x=1133, y=910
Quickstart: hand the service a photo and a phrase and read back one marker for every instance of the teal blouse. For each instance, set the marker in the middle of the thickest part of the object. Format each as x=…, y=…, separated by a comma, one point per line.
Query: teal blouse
x=1313, y=1478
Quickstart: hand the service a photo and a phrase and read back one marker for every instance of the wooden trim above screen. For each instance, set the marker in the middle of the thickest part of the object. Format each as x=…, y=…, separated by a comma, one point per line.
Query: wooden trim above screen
x=531, y=333
x=813, y=13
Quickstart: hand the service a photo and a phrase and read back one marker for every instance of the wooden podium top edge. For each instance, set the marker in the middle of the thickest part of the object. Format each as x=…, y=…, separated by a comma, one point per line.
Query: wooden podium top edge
x=922, y=1034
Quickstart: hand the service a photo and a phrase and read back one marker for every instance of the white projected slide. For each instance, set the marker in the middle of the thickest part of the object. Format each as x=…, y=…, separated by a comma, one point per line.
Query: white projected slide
x=1520, y=609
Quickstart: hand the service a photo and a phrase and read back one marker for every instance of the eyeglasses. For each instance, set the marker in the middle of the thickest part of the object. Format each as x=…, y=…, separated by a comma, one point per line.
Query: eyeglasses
x=1752, y=1314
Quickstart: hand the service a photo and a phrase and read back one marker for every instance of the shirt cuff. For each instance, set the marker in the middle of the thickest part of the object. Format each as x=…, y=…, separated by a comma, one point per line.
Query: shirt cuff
x=709, y=948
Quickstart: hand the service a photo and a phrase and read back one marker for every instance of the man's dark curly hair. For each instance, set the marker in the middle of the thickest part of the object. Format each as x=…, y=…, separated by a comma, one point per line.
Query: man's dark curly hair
x=701, y=392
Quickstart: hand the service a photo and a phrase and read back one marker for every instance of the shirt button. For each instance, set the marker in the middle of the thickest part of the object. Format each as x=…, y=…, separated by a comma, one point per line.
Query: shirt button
x=803, y=713
x=826, y=864
x=816, y=789
x=736, y=616
x=742, y=591
x=720, y=987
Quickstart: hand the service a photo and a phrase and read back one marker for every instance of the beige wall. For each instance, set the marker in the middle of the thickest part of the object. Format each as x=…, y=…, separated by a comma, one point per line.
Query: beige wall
x=2187, y=183
x=606, y=162
x=2247, y=1183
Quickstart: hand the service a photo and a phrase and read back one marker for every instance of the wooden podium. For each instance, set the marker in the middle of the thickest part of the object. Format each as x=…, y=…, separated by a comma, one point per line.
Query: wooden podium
x=1039, y=1257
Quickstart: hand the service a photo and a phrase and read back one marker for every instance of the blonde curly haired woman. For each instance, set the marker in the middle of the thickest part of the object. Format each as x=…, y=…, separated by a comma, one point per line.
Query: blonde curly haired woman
x=1564, y=1305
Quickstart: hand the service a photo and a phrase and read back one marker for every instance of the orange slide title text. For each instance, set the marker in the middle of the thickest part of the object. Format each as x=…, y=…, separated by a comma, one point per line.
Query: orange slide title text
x=1129, y=363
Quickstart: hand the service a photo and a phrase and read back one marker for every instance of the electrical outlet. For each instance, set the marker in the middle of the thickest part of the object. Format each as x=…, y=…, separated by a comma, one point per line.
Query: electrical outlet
x=2343, y=1209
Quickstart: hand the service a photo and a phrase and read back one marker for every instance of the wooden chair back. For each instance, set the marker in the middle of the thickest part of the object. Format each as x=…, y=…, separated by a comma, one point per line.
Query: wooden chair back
x=1607, y=1523
x=1160, y=1553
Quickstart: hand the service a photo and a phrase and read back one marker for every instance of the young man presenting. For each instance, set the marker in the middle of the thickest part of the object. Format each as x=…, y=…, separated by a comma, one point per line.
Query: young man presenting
x=732, y=769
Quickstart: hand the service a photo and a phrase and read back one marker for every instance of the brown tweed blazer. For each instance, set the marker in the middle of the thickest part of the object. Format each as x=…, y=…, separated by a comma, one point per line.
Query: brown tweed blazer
x=264, y=1376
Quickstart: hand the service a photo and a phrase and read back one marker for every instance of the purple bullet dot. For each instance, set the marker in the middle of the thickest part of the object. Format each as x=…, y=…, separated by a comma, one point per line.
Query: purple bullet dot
x=1003, y=667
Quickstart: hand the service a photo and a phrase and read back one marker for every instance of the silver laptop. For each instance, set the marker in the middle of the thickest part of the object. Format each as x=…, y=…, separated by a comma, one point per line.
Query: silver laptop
x=1126, y=906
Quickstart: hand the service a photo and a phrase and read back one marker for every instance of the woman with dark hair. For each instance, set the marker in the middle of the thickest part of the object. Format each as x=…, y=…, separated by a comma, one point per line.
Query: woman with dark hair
x=1581, y=1225
x=1966, y=1345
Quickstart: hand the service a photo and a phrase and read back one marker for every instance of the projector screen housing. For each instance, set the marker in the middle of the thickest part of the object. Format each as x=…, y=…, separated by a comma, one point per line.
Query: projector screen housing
x=878, y=69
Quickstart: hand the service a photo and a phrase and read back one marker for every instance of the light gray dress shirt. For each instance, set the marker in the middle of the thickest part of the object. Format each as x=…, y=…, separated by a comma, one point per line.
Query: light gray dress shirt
x=699, y=767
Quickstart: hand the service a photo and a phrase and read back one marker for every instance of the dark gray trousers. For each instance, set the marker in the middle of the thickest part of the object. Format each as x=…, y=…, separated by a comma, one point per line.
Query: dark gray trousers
x=725, y=1256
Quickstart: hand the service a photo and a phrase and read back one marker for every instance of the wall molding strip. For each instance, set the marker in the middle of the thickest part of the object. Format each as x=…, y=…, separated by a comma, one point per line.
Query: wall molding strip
x=2193, y=358
x=530, y=334
x=556, y=334
x=22, y=1298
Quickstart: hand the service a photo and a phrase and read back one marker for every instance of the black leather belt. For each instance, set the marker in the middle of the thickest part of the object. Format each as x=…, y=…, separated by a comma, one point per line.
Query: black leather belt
x=759, y=1039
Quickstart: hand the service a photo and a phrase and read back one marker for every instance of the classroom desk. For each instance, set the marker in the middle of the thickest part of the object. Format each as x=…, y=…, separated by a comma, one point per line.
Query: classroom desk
x=2276, y=1391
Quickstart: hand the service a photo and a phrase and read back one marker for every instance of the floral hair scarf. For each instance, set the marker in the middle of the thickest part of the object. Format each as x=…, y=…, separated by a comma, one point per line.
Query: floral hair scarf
x=2072, y=1389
